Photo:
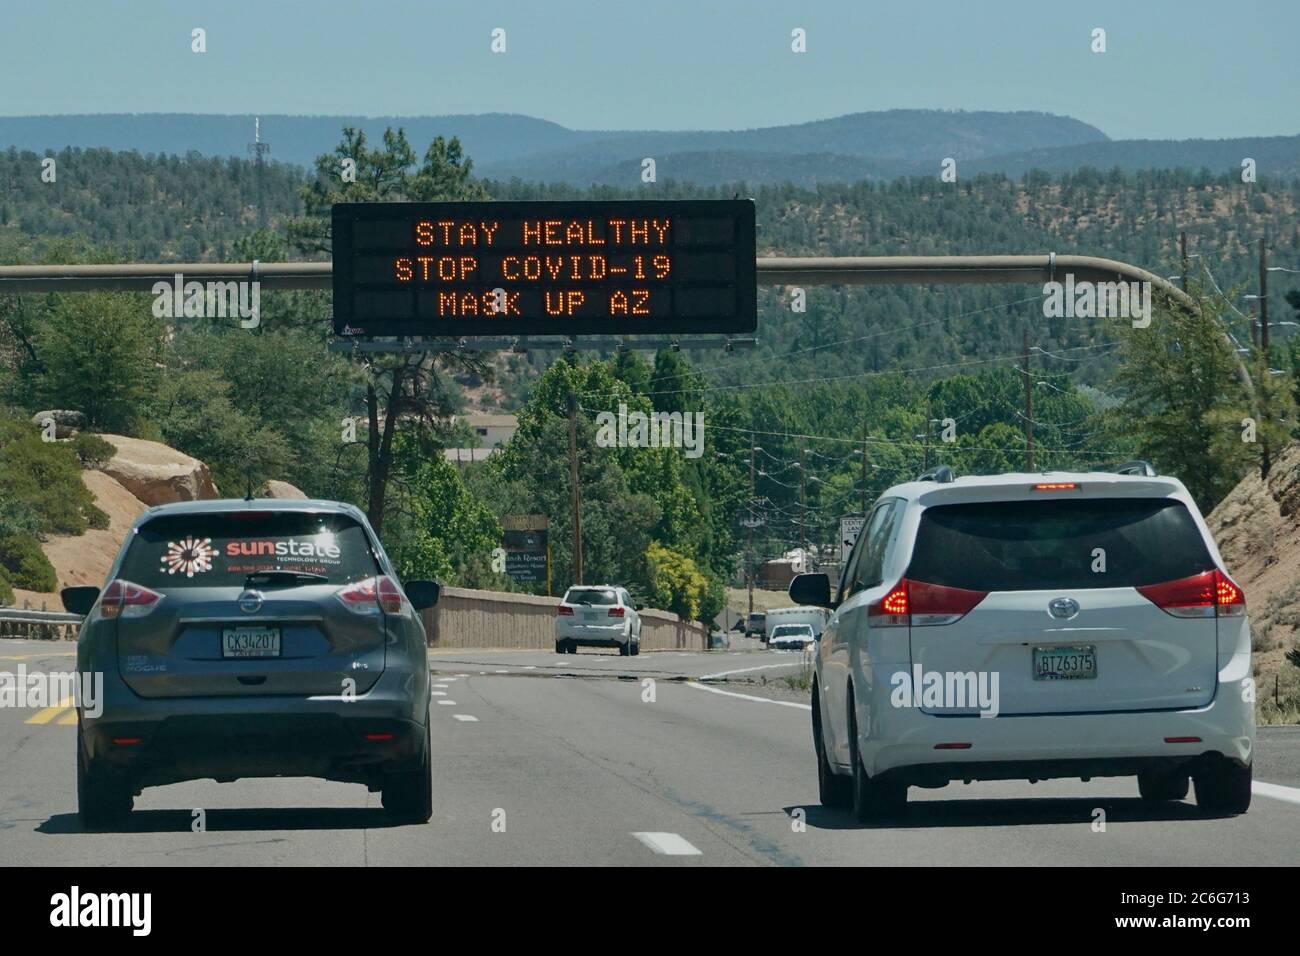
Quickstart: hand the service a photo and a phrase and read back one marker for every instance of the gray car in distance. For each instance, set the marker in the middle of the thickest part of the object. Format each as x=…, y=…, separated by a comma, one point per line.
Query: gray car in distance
x=255, y=638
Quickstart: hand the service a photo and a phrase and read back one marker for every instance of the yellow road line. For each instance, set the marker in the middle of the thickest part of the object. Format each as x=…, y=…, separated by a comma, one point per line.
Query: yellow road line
x=69, y=719
x=46, y=714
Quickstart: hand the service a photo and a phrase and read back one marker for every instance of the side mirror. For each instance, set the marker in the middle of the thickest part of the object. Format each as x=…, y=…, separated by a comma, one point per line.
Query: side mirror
x=423, y=594
x=79, y=600
x=811, y=589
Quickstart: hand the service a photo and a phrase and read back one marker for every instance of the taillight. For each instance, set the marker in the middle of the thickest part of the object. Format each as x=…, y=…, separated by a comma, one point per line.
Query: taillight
x=921, y=604
x=372, y=596
x=563, y=610
x=124, y=599
x=616, y=611
x=1210, y=594
x=1056, y=486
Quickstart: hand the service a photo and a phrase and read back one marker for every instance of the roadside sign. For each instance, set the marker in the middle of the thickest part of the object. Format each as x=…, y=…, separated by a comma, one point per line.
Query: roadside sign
x=849, y=530
x=525, y=539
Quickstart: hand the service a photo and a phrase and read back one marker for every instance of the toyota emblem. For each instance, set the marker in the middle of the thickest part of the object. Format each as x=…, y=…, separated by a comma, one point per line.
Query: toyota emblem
x=1063, y=608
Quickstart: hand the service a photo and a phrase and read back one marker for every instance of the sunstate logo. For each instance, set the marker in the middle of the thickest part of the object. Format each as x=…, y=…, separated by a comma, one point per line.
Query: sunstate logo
x=291, y=548
x=102, y=909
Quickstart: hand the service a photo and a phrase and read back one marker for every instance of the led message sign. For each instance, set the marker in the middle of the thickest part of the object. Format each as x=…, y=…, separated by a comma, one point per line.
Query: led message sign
x=619, y=267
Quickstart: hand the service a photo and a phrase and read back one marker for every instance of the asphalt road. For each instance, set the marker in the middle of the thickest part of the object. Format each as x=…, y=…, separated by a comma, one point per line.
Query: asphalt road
x=542, y=759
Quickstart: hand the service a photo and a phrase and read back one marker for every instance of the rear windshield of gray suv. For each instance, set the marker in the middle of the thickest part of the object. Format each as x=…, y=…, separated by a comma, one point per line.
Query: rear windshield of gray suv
x=220, y=550
x=1042, y=545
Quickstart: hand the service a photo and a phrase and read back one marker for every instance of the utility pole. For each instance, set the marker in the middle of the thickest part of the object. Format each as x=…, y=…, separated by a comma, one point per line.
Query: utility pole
x=1029, y=407
x=864, y=469
x=926, y=464
x=1263, y=295
x=1265, y=453
x=573, y=484
x=803, y=507
x=1182, y=256
x=749, y=545
x=258, y=149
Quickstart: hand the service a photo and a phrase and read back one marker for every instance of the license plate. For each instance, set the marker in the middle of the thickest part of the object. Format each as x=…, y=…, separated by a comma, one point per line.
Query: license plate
x=1065, y=663
x=590, y=616
x=250, y=641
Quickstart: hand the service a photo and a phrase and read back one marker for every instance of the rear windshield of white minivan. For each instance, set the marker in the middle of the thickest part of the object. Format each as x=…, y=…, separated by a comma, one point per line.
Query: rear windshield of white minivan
x=1051, y=544
x=598, y=597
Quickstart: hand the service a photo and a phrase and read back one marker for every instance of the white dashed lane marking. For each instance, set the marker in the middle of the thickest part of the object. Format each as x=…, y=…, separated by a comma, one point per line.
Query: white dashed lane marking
x=466, y=717
x=1276, y=791
x=447, y=703
x=668, y=844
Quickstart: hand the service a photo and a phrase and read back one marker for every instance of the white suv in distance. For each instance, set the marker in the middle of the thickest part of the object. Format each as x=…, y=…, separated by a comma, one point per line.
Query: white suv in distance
x=600, y=615
x=1033, y=626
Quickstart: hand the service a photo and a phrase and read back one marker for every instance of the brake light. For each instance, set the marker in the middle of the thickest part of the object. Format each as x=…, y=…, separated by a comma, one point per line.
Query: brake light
x=372, y=596
x=124, y=599
x=1056, y=486
x=1210, y=594
x=564, y=610
x=616, y=611
x=921, y=604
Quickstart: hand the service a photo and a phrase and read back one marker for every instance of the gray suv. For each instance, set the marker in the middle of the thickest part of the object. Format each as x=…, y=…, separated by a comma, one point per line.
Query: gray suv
x=255, y=638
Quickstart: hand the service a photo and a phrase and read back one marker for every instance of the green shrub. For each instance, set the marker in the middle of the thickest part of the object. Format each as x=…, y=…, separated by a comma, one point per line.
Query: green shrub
x=97, y=517
x=93, y=451
x=40, y=479
x=6, y=590
x=26, y=565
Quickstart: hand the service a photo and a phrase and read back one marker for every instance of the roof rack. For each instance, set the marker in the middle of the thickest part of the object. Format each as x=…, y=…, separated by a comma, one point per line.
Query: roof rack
x=940, y=473
x=1137, y=467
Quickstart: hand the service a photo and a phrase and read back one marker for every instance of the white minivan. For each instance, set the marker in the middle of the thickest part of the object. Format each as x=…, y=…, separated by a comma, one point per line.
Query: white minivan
x=1033, y=626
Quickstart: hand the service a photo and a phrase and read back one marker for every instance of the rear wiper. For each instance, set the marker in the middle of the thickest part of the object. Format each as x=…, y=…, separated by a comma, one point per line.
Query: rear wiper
x=283, y=577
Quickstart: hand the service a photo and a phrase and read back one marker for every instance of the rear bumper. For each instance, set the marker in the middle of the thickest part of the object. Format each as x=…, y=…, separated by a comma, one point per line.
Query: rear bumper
x=905, y=743
x=156, y=741
x=592, y=635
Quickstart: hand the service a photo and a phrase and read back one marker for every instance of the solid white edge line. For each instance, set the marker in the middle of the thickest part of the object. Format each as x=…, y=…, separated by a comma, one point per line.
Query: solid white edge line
x=669, y=844
x=761, y=700
x=1276, y=791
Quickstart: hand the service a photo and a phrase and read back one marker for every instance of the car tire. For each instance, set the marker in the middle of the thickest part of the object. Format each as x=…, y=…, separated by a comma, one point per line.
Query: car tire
x=832, y=789
x=636, y=648
x=1154, y=786
x=1223, y=787
x=561, y=647
x=102, y=799
x=408, y=796
x=872, y=799
x=625, y=649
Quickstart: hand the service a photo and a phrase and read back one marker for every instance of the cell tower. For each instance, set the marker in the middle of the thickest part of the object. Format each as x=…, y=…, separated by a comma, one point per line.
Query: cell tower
x=258, y=149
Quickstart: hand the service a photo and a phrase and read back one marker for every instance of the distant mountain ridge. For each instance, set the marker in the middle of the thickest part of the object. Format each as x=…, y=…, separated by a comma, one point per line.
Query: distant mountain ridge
x=873, y=145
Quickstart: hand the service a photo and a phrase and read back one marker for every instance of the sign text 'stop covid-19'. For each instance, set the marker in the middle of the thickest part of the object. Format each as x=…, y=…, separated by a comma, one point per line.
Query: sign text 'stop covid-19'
x=544, y=268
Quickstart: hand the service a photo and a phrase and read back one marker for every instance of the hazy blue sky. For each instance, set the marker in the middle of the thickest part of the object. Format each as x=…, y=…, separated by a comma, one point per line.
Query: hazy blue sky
x=1173, y=68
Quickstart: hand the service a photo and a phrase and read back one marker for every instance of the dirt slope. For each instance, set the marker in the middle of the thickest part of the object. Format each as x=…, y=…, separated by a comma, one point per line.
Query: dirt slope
x=1257, y=527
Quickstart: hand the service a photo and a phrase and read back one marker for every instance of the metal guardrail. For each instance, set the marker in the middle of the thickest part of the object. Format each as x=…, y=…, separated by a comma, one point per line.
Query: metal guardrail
x=39, y=625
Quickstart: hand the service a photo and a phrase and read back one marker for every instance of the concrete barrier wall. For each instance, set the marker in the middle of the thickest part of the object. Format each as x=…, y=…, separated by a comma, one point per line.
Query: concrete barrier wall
x=466, y=618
